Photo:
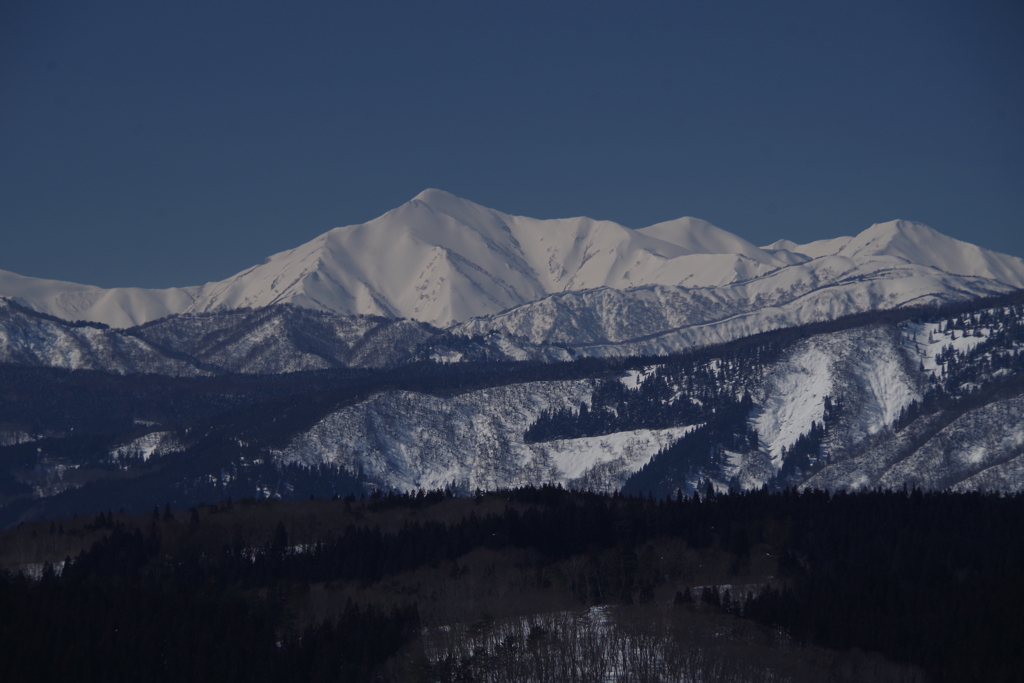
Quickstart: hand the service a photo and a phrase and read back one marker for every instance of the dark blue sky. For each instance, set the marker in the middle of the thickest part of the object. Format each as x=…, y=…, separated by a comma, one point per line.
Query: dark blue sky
x=175, y=143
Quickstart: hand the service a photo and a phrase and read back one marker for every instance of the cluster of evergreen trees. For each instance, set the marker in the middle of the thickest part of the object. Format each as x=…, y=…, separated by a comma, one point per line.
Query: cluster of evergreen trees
x=932, y=579
x=1001, y=353
x=687, y=389
x=699, y=453
x=122, y=612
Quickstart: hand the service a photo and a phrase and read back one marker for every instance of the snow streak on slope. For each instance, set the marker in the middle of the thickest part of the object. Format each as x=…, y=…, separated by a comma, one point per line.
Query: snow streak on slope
x=792, y=398
x=146, y=446
x=408, y=440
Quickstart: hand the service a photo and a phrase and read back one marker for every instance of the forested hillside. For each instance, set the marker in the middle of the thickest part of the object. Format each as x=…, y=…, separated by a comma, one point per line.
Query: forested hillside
x=884, y=586
x=930, y=397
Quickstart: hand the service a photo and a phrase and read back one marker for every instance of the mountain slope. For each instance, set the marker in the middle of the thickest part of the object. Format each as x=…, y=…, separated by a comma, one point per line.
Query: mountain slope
x=926, y=397
x=664, y=319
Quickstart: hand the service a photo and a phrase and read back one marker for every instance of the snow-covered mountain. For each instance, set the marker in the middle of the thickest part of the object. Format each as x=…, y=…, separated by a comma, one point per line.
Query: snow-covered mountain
x=443, y=260
x=927, y=395
x=932, y=398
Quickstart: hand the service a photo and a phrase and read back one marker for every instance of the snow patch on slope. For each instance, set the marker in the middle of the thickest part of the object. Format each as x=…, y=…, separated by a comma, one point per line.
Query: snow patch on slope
x=634, y=379
x=575, y=457
x=146, y=446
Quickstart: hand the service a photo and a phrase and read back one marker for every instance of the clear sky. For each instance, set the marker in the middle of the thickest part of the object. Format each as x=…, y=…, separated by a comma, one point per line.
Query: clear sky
x=160, y=144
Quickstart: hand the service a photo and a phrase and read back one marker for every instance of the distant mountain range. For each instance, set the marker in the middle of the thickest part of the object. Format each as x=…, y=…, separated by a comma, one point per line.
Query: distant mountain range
x=551, y=289
x=389, y=355
x=442, y=260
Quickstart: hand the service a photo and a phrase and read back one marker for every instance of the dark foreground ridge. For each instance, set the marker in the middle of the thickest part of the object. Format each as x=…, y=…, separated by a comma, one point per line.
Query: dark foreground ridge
x=512, y=585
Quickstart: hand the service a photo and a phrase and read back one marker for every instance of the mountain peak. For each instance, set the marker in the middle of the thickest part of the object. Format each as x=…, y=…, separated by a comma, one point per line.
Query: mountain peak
x=910, y=230
x=445, y=202
x=432, y=194
x=902, y=238
x=442, y=259
x=919, y=244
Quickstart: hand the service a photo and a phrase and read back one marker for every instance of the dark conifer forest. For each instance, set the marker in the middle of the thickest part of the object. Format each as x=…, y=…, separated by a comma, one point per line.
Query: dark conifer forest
x=899, y=585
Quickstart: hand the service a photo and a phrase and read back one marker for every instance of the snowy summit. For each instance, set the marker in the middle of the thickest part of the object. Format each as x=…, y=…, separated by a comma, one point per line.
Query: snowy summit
x=443, y=260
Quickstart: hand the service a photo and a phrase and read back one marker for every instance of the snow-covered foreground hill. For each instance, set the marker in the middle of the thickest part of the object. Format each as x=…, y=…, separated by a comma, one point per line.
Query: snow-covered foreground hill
x=408, y=441
x=860, y=386
x=924, y=399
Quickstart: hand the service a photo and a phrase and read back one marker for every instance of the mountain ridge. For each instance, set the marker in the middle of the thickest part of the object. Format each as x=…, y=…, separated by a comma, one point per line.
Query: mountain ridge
x=445, y=261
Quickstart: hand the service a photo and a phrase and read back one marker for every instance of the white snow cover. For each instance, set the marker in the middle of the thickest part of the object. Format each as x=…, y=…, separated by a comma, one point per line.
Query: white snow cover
x=146, y=446
x=574, y=458
x=864, y=369
x=634, y=379
x=927, y=340
x=442, y=260
x=118, y=307
x=408, y=441
x=794, y=397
